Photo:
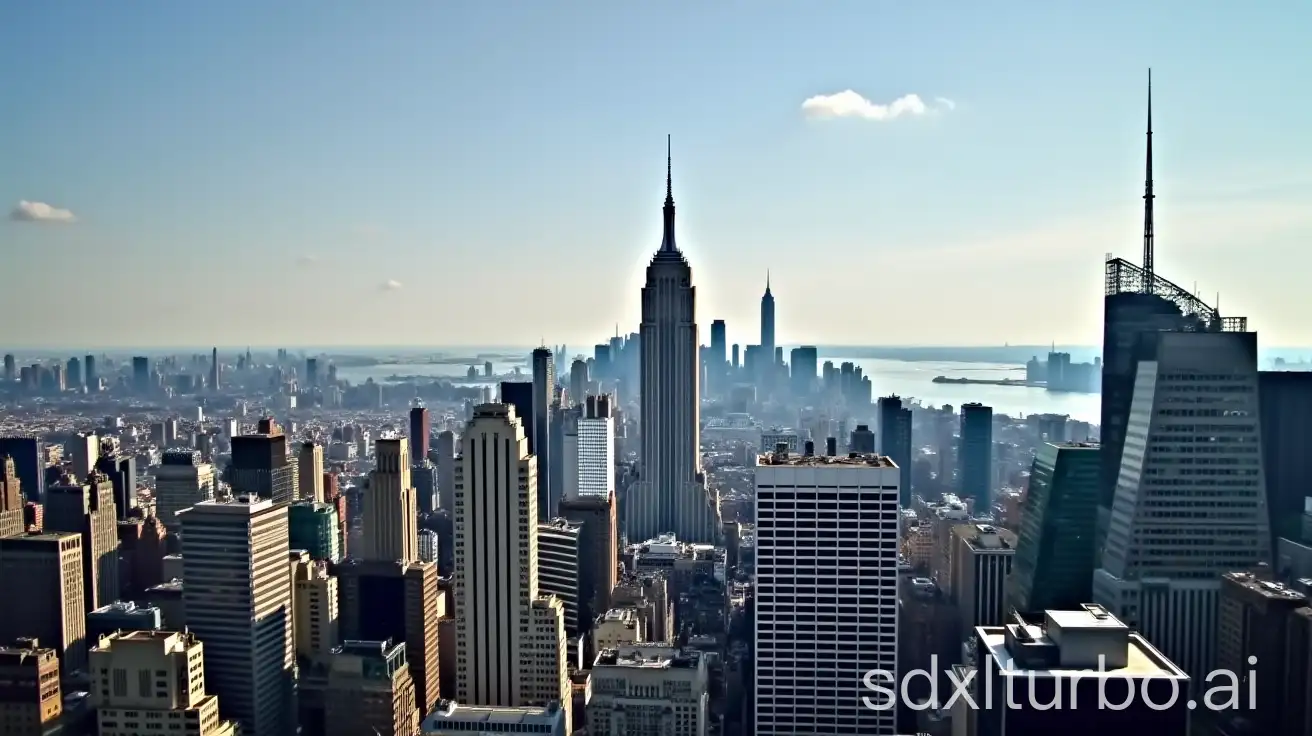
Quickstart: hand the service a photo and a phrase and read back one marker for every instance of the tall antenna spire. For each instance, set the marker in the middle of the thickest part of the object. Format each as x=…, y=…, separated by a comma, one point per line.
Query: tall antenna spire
x=1148, y=197
x=667, y=237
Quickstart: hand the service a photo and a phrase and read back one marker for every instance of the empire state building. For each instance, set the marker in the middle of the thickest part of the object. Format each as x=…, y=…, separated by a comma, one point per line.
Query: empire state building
x=671, y=493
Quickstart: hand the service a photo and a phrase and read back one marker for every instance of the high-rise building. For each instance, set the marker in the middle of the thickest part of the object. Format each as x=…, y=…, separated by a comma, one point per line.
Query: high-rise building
x=11, y=373
x=73, y=374
x=599, y=551
x=982, y=558
x=181, y=481
x=28, y=454
x=510, y=648
x=560, y=559
x=391, y=520
x=30, y=702
x=47, y=567
x=804, y=364
x=370, y=690
x=314, y=527
x=309, y=463
x=1158, y=573
x=141, y=382
x=146, y=680
x=399, y=602
x=717, y=364
x=260, y=464
x=214, y=370
x=1065, y=673
x=767, y=327
x=592, y=462
x=455, y=719
x=826, y=596
x=238, y=600
x=1286, y=398
x=671, y=494
x=1253, y=638
x=122, y=473
x=975, y=455
x=1054, y=561
x=862, y=440
x=85, y=452
x=88, y=509
x=633, y=689
x=316, y=619
x=423, y=474
x=311, y=372
x=578, y=380
x=12, y=509
x=420, y=427
x=895, y=440
x=446, y=469
x=544, y=388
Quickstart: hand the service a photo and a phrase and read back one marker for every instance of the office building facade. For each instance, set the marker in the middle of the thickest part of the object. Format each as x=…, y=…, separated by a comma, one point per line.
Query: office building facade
x=1054, y=561
x=826, y=598
x=390, y=510
x=975, y=455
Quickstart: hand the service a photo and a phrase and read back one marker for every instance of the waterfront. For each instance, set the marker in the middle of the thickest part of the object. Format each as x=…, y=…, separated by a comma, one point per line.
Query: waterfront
x=910, y=380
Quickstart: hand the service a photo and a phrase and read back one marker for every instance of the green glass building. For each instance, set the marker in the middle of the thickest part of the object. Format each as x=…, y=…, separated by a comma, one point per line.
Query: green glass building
x=1053, y=569
x=313, y=527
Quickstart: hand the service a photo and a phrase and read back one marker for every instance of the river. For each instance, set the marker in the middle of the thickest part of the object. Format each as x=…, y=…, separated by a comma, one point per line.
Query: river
x=911, y=380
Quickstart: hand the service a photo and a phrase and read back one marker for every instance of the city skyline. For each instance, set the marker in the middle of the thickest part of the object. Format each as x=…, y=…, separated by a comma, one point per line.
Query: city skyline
x=999, y=186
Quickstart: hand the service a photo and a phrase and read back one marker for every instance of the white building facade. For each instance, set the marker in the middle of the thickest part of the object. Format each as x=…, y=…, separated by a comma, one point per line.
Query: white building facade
x=826, y=598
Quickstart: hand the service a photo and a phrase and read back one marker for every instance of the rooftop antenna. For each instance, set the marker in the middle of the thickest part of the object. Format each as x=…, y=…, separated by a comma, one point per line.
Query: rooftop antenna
x=1149, y=278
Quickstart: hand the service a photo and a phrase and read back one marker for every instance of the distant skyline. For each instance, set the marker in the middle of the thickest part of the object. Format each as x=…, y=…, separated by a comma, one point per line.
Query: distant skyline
x=462, y=173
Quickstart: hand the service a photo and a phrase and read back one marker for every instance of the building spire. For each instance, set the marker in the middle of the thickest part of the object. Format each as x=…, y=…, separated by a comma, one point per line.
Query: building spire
x=1148, y=197
x=767, y=282
x=667, y=236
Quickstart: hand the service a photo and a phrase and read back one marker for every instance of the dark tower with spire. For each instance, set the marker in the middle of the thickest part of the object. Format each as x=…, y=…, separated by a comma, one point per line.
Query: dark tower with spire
x=667, y=234
x=767, y=334
x=1148, y=197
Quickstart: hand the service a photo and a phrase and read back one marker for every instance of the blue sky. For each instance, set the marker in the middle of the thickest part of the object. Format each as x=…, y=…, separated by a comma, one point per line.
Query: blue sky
x=259, y=171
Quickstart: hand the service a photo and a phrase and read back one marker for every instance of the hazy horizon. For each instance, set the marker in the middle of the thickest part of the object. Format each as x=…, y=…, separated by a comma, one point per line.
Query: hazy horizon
x=907, y=173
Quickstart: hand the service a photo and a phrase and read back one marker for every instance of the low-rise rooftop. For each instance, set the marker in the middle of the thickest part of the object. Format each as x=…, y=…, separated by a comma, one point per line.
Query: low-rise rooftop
x=850, y=460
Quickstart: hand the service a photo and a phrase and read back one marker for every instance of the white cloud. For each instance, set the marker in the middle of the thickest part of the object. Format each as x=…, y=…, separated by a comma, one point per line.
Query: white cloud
x=307, y=260
x=391, y=285
x=26, y=211
x=850, y=104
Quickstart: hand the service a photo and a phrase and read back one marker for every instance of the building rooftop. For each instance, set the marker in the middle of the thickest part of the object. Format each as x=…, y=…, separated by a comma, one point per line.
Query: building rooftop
x=648, y=656
x=1264, y=588
x=126, y=607
x=850, y=460
x=1088, y=642
x=244, y=504
x=986, y=537
x=449, y=710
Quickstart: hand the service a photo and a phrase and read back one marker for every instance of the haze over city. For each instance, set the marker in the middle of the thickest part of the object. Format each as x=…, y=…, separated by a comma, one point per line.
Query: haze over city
x=463, y=174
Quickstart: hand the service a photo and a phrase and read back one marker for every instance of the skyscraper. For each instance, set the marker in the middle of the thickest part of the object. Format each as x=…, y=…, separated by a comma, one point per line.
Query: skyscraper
x=1054, y=561
x=420, y=427
x=578, y=381
x=826, y=601
x=390, y=512
x=804, y=362
x=141, y=374
x=544, y=389
x=182, y=480
x=311, y=372
x=767, y=325
x=976, y=455
x=502, y=621
x=87, y=508
x=214, y=370
x=1182, y=518
x=91, y=376
x=895, y=440
x=446, y=469
x=717, y=366
x=238, y=600
x=671, y=494
x=309, y=478
x=260, y=466
x=28, y=454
